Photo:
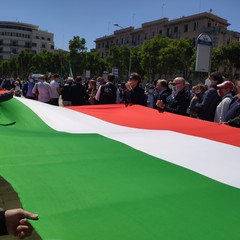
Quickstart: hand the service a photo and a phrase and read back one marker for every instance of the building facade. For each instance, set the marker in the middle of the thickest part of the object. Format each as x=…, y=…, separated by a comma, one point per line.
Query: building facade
x=185, y=27
x=16, y=37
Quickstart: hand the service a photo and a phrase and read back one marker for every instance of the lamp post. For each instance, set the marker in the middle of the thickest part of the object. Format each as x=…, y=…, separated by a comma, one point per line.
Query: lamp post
x=130, y=50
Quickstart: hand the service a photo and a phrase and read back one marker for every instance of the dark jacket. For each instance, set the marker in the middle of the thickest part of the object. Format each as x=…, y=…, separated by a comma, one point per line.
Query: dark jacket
x=108, y=93
x=135, y=96
x=3, y=228
x=178, y=104
x=162, y=95
x=207, y=107
x=234, y=109
x=78, y=94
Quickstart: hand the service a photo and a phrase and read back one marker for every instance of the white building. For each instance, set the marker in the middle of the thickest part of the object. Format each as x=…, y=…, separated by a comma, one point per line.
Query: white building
x=16, y=37
x=184, y=27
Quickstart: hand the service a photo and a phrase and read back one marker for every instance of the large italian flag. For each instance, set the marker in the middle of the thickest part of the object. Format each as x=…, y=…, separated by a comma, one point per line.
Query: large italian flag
x=111, y=172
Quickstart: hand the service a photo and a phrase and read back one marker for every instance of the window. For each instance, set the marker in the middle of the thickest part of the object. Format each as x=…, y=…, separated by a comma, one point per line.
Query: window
x=169, y=32
x=175, y=29
x=195, y=26
x=43, y=45
x=27, y=44
x=14, y=43
x=209, y=24
x=34, y=44
x=186, y=28
x=160, y=32
x=14, y=51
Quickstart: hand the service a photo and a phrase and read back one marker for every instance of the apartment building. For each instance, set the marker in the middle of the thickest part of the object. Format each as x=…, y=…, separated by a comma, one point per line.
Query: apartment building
x=16, y=37
x=184, y=27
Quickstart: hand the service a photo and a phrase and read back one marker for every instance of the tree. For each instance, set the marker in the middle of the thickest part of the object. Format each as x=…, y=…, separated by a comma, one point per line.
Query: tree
x=150, y=54
x=77, y=54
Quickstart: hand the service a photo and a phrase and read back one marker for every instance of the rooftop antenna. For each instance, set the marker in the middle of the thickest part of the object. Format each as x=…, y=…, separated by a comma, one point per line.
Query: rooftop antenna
x=162, y=8
x=200, y=6
x=133, y=19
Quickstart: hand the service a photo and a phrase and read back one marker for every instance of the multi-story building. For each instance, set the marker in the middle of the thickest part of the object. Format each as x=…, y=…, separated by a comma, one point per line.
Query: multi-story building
x=185, y=27
x=16, y=37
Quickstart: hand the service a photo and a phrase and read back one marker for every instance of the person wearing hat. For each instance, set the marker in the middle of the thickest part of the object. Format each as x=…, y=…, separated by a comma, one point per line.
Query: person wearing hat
x=134, y=93
x=225, y=91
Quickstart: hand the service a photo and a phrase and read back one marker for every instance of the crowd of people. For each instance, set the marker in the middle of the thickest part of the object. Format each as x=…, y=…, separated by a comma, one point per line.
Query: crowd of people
x=216, y=100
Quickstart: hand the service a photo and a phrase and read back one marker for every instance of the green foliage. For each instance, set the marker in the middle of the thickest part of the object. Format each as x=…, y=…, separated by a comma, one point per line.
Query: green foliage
x=156, y=57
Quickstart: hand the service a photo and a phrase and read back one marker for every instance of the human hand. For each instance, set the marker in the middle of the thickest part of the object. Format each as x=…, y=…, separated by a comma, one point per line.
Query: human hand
x=17, y=223
x=160, y=104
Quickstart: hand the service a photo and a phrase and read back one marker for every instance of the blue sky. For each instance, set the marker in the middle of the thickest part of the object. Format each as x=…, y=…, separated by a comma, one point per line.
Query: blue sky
x=92, y=19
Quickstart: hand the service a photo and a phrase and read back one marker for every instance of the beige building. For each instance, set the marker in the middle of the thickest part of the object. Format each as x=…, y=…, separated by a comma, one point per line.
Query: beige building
x=16, y=37
x=185, y=27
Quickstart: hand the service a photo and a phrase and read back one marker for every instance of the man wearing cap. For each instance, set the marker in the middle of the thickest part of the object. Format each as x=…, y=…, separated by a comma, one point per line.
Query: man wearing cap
x=225, y=91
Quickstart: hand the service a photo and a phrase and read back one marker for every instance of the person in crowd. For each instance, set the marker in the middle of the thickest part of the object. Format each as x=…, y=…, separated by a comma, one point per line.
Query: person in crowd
x=206, y=108
x=122, y=91
x=107, y=93
x=100, y=81
x=225, y=91
x=234, y=108
x=150, y=89
x=55, y=88
x=8, y=83
x=92, y=90
x=134, y=93
x=188, y=88
x=27, y=88
x=196, y=96
x=78, y=92
x=17, y=89
x=14, y=222
x=42, y=90
x=178, y=101
x=65, y=92
x=161, y=93
x=170, y=84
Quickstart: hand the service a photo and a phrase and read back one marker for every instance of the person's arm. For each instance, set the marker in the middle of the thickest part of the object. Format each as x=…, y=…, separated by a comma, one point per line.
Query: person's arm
x=14, y=222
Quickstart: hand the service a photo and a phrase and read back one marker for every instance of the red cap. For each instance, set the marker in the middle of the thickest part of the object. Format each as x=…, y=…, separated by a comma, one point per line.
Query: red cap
x=226, y=84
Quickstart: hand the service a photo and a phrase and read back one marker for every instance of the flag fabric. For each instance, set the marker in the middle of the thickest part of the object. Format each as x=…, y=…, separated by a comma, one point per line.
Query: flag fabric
x=117, y=172
x=70, y=70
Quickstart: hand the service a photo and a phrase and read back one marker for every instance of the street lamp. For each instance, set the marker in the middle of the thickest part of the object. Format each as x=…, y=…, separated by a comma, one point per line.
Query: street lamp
x=130, y=50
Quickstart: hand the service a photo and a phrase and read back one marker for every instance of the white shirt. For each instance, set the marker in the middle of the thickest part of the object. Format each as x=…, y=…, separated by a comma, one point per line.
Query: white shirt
x=222, y=108
x=54, y=87
x=44, y=91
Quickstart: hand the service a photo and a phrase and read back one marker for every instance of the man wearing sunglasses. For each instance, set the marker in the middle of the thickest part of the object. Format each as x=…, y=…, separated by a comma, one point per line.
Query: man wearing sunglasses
x=178, y=101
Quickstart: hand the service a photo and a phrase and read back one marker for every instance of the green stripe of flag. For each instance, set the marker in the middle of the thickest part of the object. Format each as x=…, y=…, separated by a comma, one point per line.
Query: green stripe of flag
x=86, y=186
